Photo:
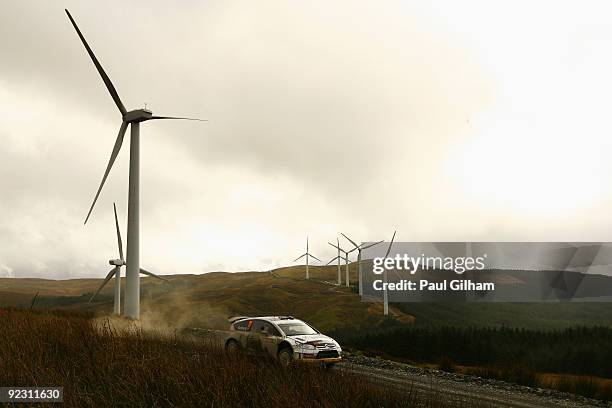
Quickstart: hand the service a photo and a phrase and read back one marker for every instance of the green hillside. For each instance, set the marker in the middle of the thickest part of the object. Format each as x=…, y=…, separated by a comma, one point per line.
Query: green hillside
x=207, y=300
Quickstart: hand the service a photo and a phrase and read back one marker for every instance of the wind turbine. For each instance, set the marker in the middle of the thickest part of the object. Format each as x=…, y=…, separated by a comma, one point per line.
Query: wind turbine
x=346, y=258
x=385, y=280
x=307, y=255
x=132, y=118
x=359, y=248
x=339, y=258
x=116, y=271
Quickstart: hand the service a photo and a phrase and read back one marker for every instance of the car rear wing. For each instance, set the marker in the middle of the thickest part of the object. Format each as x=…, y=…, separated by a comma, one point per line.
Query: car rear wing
x=233, y=319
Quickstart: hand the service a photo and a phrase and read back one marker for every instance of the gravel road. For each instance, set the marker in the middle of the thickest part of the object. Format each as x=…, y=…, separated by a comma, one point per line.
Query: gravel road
x=456, y=389
x=460, y=389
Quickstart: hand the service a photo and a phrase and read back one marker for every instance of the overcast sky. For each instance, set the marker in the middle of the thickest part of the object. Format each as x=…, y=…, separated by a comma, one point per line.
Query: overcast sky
x=445, y=120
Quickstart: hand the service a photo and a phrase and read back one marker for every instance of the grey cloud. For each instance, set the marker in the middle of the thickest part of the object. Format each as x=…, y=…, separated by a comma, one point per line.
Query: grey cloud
x=336, y=101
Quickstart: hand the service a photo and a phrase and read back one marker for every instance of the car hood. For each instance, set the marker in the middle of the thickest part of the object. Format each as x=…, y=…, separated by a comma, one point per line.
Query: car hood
x=312, y=338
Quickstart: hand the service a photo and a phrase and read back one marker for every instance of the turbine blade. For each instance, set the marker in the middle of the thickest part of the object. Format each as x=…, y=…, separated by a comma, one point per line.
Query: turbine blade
x=34, y=300
x=114, y=154
x=333, y=260
x=108, y=277
x=371, y=245
x=175, y=117
x=351, y=241
x=312, y=256
x=145, y=272
x=119, y=242
x=105, y=78
x=336, y=246
x=390, y=243
x=298, y=258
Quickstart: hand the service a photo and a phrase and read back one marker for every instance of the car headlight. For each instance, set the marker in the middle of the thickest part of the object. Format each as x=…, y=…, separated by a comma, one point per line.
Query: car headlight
x=309, y=347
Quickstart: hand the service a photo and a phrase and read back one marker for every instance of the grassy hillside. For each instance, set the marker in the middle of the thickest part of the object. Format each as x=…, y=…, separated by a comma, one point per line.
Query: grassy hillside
x=99, y=366
x=543, y=316
x=207, y=300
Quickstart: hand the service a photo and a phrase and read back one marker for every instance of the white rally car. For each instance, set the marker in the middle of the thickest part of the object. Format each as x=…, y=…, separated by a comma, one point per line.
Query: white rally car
x=283, y=338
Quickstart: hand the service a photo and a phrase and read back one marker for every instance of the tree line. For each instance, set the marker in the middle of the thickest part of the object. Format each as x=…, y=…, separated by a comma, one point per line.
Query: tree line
x=577, y=350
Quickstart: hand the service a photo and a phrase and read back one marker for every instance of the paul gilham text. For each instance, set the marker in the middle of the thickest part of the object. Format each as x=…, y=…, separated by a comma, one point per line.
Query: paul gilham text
x=425, y=285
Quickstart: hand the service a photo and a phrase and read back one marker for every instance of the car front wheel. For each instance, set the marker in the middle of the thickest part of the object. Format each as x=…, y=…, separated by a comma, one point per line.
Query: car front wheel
x=285, y=357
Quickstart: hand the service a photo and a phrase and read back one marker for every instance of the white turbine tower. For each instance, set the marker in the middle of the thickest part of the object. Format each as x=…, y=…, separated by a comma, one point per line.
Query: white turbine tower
x=307, y=255
x=359, y=248
x=339, y=258
x=132, y=118
x=385, y=280
x=346, y=258
x=116, y=271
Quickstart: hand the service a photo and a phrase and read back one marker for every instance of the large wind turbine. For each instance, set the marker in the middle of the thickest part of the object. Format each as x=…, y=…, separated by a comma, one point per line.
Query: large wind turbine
x=116, y=271
x=307, y=255
x=359, y=248
x=346, y=258
x=133, y=118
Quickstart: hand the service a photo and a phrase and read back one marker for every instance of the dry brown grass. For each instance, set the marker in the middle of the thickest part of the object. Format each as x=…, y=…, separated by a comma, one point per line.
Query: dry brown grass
x=589, y=386
x=100, y=366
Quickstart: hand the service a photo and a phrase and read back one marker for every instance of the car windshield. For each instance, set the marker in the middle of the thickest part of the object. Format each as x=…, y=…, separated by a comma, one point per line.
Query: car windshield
x=296, y=329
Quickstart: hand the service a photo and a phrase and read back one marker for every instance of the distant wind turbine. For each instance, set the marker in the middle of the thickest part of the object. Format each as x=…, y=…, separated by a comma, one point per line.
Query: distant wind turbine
x=133, y=118
x=339, y=258
x=116, y=271
x=359, y=248
x=385, y=280
x=307, y=255
x=346, y=259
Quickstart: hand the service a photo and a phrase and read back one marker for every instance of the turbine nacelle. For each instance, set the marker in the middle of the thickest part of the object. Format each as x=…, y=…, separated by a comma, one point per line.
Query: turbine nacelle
x=137, y=115
x=116, y=262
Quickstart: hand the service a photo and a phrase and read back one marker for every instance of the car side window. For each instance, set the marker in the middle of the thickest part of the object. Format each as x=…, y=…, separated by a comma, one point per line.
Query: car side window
x=260, y=325
x=272, y=331
x=242, y=325
x=257, y=326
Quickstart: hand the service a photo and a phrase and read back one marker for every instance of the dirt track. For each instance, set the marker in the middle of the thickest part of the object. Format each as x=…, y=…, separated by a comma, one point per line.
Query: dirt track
x=457, y=389
x=466, y=390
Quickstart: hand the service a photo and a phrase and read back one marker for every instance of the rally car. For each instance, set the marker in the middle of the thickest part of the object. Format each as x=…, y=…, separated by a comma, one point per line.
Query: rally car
x=283, y=338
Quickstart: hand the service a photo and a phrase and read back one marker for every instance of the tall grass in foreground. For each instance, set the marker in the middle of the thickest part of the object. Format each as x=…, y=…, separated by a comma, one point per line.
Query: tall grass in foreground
x=100, y=366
